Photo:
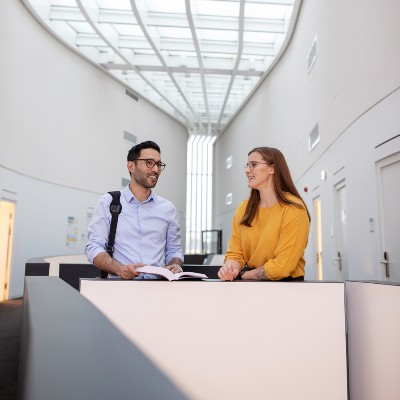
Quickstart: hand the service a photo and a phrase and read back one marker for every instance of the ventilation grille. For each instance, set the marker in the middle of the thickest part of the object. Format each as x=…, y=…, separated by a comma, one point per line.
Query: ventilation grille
x=132, y=95
x=313, y=138
x=130, y=137
x=312, y=55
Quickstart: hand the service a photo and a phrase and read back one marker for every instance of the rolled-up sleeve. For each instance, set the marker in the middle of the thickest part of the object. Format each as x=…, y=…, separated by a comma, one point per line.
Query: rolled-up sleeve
x=99, y=228
x=173, y=248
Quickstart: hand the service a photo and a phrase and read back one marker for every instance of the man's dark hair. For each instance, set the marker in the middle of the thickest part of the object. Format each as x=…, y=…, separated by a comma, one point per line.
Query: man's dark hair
x=134, y=152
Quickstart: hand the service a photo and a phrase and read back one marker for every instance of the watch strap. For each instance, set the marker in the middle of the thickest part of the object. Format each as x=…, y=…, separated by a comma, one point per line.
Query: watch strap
x=242, y=271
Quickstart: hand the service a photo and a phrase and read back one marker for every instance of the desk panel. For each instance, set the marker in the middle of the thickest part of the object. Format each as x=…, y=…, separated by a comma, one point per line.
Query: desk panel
x=235, y=340
x=373, y=313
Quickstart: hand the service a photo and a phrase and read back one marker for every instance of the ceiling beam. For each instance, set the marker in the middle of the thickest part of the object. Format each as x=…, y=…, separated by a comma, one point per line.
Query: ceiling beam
x=93, y=25
x=238, y=58
x=159, y=55
x=182, y=69
x=200, y=61
x=106, y=16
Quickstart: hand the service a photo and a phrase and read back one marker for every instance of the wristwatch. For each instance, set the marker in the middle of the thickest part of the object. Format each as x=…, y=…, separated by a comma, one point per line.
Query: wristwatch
x=242, y=271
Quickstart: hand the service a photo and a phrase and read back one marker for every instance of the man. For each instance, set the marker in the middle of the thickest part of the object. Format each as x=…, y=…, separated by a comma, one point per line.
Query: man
x=148, y=230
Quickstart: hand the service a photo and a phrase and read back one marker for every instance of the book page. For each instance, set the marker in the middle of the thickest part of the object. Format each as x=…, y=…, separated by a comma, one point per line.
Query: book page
x=150, y=269
x=182, y=275
x=166, y=273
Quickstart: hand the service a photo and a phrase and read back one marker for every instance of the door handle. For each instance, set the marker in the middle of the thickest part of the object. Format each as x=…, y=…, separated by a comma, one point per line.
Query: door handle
x=339, y=260
x=385, y=261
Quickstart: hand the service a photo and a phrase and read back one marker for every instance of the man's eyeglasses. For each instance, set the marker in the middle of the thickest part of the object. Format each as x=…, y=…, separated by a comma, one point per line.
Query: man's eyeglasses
x=251, y=165
x=150, y=163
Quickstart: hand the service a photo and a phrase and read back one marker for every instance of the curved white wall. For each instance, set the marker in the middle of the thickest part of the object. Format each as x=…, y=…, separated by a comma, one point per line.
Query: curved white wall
x=61, y=129
x=353, y=93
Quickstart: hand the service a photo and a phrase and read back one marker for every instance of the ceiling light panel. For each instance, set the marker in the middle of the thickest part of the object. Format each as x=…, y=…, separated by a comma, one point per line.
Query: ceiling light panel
x=174, y=32
x=80, y=27
x=218, y=35
x=267, y=11
x=128, y=30
x=62, y=3
x=217, y=8
x=259, y=37
x=112, y=16
x=122, y=5
x=164, y=6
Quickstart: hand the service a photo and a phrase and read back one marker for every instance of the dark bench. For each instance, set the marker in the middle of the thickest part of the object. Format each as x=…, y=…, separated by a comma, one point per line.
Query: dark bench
x=71, y=273
x=210, y=270
x=195, y=259
x=37, y=269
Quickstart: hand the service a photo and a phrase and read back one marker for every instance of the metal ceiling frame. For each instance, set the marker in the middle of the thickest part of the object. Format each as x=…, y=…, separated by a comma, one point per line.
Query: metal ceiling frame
x=160, y=57
x=200, y=61
x=293, y=21
x=208, y=77
x=116, y=50
x=238, y=58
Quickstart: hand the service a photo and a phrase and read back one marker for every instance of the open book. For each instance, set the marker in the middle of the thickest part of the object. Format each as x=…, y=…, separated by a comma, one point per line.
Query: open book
x=166, y=273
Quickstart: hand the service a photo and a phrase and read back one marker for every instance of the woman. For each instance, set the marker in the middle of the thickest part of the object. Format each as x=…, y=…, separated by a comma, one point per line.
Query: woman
x=270, y=229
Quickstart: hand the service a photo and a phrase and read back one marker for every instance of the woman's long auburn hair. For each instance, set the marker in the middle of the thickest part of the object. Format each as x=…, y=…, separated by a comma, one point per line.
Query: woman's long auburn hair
x=282, y=183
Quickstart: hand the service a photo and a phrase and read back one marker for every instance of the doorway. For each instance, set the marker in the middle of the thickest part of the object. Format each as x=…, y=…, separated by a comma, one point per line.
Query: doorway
x=7, y=211
x=341, y=260
x=318, y=236
x=388, y=180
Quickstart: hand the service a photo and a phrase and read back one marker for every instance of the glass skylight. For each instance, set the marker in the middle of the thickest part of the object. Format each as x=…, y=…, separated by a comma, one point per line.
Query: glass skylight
x=197, y=60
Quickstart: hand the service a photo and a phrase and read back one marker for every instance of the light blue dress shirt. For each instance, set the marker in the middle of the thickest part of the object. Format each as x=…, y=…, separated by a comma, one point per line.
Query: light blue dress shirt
x=147, y=232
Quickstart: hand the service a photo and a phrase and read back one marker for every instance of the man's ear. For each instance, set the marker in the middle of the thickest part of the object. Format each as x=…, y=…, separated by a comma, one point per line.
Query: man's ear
x=130, y=165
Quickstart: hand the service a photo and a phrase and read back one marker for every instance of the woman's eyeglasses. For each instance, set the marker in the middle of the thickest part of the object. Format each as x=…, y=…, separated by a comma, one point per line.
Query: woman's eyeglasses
x=150, y=163
x=252, y=164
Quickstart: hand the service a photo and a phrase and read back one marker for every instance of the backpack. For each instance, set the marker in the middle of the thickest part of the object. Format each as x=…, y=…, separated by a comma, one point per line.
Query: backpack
x=115, y=210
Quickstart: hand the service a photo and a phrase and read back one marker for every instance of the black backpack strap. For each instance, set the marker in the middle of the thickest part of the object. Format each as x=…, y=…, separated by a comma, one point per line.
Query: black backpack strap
x=115, y=210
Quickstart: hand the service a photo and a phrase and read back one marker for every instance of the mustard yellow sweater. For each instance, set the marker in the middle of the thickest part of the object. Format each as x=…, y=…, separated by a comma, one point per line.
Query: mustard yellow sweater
x=276, y=240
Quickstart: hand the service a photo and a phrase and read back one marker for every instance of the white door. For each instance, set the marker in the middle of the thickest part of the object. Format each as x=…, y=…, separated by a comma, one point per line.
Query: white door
x=340, y=260
x=389, y=176
x=318, y=237
x=7, y=210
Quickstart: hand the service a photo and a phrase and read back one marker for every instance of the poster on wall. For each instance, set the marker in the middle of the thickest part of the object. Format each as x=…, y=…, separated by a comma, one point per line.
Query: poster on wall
x=72, y=232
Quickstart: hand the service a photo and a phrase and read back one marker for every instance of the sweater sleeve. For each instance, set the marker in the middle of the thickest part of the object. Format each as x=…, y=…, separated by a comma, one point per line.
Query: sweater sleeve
x=235, y=250
x=290, y=248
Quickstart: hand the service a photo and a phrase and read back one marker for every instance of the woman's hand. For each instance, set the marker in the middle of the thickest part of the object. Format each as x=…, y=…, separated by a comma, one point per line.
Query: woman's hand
x=229, y=271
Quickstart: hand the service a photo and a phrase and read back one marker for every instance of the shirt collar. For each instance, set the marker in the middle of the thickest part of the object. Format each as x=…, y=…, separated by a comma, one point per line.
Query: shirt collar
x=130, y=197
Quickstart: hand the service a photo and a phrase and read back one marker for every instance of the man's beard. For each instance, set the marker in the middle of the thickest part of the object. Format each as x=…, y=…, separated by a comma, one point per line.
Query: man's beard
x=141, y=179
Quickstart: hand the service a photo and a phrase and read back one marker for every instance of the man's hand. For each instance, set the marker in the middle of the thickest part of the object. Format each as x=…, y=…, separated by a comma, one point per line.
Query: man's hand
x=128, y=271
x=111, y=266
x=229, y=271
x=175, y=268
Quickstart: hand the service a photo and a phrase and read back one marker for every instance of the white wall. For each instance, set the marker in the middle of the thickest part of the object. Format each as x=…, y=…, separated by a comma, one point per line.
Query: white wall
x=353, y=94
x=62, y=122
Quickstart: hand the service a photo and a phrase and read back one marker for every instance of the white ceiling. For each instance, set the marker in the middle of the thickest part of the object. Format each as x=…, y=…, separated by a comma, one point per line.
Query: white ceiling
x=197, y=60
